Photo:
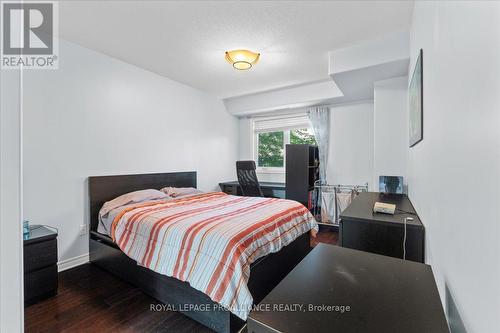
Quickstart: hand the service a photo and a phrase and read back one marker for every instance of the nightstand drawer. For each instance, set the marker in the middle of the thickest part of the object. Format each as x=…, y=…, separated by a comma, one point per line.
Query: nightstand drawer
x=40, y=284
x=41, y=254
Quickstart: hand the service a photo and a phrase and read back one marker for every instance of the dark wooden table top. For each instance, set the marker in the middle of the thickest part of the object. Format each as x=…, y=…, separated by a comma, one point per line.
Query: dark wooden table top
x=383, y=294
x=39, y=233
x=262, y=184
x=361, y=209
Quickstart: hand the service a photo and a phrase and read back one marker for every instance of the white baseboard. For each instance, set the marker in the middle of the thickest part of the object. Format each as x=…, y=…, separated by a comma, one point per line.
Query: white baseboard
x=72, y=262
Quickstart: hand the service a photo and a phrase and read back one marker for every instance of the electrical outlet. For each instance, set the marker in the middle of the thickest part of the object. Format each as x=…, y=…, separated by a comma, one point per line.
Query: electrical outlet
x=83, y=229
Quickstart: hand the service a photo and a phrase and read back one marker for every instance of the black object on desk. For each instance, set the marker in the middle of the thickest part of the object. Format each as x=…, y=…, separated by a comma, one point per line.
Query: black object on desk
x=362, y=229
x=270, y=189
x=40, y=265
x=383, y=295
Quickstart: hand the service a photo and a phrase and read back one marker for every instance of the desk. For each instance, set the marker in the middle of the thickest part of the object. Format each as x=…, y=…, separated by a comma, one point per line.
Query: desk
x=362, y=229
x=384, y=294
x=269, y=189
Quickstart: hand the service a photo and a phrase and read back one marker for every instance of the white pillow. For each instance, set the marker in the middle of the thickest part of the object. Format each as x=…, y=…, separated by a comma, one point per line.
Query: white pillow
x=176, y=192
x=131, y=197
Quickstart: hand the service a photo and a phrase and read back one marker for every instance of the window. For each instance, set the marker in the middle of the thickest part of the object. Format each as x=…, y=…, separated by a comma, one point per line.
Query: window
x=270, y=149
x=272, y=134
x=302, y=136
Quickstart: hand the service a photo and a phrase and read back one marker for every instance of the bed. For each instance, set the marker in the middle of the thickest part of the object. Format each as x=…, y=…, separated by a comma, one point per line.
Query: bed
x=265, y=272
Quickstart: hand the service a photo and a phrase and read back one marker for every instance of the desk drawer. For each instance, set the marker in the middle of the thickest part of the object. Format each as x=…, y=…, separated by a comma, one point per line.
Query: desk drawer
x=41, y=254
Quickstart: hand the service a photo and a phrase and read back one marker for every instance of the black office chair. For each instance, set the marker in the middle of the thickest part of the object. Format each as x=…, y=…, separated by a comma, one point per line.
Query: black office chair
x=247, y=177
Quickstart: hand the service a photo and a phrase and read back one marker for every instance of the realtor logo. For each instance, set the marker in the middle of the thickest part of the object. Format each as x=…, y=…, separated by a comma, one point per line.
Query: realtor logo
x=28, y=35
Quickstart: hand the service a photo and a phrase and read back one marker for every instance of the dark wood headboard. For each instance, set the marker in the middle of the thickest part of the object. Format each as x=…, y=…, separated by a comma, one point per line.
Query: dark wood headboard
x=105, y=188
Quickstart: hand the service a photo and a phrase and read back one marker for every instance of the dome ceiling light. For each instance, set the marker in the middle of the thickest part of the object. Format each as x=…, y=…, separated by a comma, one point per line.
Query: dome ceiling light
x=242, y=59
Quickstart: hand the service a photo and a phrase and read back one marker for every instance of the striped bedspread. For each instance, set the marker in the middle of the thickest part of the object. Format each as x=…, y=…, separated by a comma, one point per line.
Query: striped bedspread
x=210, y=239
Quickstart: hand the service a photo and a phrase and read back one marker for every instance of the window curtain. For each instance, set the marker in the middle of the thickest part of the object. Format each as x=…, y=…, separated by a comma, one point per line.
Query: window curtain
x=319, y=117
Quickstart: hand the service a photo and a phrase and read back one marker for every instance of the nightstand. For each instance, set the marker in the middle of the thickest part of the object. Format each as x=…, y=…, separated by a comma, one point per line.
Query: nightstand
x=40, y=265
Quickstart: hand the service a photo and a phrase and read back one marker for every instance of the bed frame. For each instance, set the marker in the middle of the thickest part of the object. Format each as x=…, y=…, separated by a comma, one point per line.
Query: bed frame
x=266, y=272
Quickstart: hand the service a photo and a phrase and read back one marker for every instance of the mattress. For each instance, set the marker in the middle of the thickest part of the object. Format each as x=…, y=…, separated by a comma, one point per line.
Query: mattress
x=209, y=240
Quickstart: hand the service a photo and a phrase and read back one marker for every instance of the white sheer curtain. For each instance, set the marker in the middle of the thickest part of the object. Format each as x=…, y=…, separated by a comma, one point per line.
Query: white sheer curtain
x=319, y=117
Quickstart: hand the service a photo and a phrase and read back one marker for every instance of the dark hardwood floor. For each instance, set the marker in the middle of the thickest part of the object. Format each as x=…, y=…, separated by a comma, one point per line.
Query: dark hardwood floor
x=325, y=235
x=92, y=300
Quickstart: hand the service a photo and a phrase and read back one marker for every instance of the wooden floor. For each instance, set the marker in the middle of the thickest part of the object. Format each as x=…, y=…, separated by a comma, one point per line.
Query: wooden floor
x=325, y=236
x=92, y=300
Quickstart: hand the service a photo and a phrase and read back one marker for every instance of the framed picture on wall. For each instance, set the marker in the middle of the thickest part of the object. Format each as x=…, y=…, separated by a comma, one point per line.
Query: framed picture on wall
x=416, y=105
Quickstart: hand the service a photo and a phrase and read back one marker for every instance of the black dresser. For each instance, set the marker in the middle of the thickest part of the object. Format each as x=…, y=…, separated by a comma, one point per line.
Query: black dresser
x=362, y=229
x=40, y=265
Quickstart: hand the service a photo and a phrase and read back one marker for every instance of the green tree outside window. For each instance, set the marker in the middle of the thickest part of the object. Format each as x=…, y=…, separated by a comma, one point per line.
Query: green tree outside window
x=271, y=145
x=271, y=149
x=302, y=136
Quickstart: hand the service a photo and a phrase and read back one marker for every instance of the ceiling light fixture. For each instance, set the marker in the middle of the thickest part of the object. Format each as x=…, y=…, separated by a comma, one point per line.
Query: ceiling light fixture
x=242, y=59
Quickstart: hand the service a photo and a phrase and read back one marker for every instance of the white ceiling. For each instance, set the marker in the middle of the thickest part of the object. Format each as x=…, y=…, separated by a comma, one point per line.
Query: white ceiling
x=185, y=41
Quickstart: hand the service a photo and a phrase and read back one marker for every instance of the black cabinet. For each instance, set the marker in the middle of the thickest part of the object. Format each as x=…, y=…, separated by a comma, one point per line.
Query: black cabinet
x=362, y=229
x=40, y=265
x=302, y=170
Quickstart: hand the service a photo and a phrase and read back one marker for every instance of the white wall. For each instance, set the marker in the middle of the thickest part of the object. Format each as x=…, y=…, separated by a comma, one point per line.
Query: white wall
x=351, y=145
x=357, y=67
x=350, y=158
x=278, y=99
x=454, y=173
x=11, y=255
x=99, y=116
x=390, y=130
x=245, y=139
x=384, y=49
